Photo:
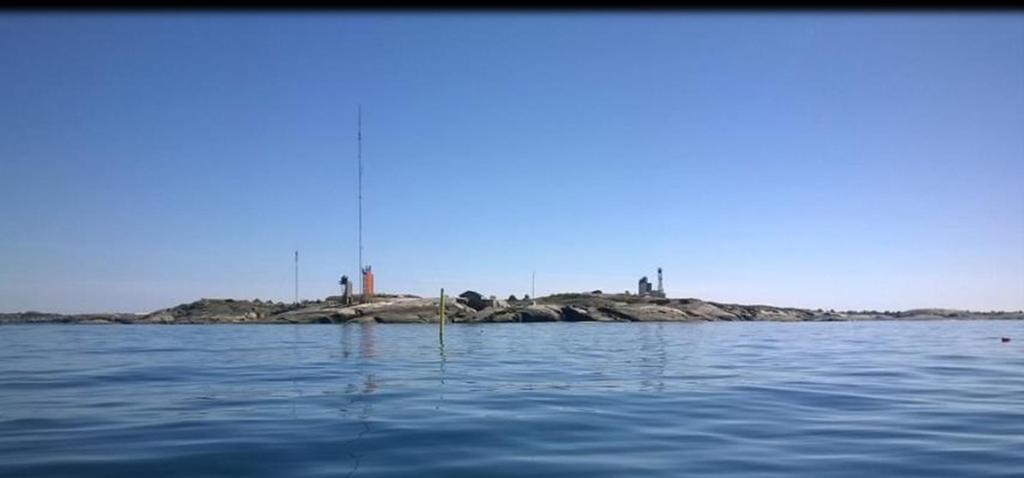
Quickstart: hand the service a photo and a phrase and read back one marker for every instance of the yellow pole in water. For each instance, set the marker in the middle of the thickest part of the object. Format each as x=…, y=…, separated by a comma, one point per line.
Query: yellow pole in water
x=441, y=336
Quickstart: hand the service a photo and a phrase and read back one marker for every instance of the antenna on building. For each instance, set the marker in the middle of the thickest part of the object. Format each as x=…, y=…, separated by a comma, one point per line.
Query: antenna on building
x=359, y=158
x=296, y=277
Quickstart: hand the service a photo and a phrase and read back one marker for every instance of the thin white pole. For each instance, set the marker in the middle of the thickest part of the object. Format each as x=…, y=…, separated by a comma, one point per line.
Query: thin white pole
x=359, y=156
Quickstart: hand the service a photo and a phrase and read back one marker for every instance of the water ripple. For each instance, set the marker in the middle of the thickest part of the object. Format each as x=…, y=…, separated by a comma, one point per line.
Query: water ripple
x=623, y=399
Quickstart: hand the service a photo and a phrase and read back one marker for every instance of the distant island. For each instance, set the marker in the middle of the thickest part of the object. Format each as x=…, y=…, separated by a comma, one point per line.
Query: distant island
x=472, y=307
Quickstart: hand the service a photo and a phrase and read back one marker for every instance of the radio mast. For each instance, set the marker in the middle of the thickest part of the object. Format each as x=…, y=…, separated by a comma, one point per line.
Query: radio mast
x=359, y=156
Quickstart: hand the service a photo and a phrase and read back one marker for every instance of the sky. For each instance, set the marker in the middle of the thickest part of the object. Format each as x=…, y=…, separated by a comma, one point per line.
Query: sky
x=834, y=160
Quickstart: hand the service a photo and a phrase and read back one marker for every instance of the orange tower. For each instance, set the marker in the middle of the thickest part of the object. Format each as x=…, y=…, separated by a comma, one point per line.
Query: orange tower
x=367, y=282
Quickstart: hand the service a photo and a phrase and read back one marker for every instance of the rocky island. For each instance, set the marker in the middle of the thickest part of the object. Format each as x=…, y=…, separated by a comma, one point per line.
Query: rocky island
x=471, y=307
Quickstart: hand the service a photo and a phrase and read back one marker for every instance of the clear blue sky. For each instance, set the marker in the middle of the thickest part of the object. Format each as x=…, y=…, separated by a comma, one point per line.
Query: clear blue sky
x=835, y=160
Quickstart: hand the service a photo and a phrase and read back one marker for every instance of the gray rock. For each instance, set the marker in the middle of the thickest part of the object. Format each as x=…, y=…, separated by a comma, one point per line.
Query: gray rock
x=539, y=313
x=473, y=307
x=573, y=313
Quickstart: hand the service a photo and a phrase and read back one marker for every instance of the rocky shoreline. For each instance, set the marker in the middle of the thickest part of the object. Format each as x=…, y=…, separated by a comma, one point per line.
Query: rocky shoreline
x=471, y=308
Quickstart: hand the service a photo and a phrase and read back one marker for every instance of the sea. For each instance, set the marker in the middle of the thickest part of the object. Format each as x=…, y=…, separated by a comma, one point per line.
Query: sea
x=737, y=399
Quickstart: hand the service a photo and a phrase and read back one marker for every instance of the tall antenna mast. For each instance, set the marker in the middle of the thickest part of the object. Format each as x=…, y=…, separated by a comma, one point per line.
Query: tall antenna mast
x=296, y=277
x=359, y=156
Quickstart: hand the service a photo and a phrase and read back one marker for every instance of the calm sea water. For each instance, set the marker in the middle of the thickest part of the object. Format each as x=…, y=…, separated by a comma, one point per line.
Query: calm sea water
x=654, y=399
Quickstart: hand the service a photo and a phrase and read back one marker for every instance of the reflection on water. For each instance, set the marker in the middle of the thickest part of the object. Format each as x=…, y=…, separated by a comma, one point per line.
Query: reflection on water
x=346, y=341
x=656, y=399
x=442, y=359
x=652, y=357
x=358, y=399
